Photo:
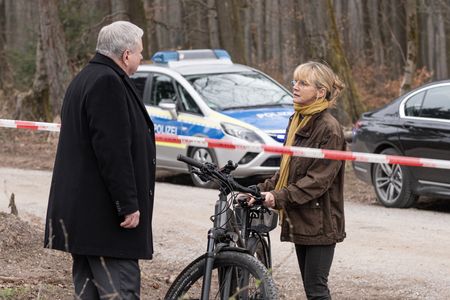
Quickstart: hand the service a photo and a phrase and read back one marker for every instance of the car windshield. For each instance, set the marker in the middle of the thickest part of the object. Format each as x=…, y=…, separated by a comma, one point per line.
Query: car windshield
x=239, y=90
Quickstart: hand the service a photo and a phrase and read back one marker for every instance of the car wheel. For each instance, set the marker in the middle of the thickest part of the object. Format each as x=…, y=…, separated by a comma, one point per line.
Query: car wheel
x=202, y=155
x=392, y=184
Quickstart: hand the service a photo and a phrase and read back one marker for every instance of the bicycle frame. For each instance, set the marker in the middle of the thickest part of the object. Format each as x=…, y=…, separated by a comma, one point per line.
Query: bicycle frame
x=219, y=236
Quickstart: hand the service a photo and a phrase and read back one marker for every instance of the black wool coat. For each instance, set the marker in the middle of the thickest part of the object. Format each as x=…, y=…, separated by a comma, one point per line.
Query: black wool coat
x=104, y=167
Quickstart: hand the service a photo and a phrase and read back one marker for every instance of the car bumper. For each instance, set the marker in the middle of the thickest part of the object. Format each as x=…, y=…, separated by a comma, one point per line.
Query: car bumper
x=261, y=164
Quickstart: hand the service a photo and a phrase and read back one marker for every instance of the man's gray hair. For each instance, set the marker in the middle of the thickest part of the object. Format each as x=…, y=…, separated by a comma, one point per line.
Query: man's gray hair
x=117, y=37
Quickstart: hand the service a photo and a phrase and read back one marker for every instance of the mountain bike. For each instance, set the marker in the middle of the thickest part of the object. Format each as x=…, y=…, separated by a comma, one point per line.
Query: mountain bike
x=232, y=266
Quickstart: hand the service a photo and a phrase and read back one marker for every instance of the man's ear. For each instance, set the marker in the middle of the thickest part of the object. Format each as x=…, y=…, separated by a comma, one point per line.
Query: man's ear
x=125, y=55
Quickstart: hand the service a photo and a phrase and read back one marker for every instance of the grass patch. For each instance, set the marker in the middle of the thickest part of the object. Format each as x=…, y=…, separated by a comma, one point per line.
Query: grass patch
x=12, y=292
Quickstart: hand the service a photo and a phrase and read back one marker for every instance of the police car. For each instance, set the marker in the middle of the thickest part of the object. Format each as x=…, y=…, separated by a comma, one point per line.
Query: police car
x=203, y=93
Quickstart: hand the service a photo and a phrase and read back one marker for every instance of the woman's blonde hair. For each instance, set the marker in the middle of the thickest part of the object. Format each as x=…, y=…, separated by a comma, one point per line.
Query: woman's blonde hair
x=321, y=76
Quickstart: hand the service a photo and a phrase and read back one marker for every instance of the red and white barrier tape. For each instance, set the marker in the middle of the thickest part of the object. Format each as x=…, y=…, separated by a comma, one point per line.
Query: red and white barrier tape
x=30, y=125
x=294, y=151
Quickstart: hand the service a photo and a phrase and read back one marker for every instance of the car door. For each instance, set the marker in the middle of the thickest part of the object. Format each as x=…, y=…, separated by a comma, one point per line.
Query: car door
x=426, y=132
x=162, y=90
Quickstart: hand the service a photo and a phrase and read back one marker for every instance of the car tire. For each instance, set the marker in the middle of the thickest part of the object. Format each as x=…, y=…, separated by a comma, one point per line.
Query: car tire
x=392, y=184
x=202, y=155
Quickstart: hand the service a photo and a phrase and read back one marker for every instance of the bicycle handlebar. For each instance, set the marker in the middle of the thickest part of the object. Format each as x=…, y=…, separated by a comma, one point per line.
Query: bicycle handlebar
x=211, y=170
x=190, y=161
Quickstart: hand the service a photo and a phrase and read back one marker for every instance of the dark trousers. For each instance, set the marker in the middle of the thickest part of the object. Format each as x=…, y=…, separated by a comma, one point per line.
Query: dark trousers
x=97, y=277
x=315, y=263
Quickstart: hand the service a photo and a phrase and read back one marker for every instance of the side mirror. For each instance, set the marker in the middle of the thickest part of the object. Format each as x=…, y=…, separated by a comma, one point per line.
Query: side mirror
x=168, y=104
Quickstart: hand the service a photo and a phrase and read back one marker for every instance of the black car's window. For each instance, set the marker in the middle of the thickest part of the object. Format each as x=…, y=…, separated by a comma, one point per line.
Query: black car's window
x=139, y=80
x=437, y=103
x=188, y=104
x=162, y=88
x=413, y=105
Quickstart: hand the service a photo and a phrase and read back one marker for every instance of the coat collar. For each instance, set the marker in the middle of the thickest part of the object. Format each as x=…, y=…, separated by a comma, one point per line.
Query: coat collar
x=105, y=60
x=306, y=131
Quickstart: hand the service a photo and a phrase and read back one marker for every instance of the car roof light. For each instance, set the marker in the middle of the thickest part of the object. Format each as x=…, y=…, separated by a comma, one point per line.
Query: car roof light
x=182, y=57
x=222, y=54
x=163, y=57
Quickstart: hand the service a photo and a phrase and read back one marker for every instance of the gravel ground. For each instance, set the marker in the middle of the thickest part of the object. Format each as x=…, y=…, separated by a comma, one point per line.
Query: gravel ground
x=388, y=254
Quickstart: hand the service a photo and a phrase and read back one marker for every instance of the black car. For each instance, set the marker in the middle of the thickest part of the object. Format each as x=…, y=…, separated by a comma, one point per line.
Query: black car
x=416, y=124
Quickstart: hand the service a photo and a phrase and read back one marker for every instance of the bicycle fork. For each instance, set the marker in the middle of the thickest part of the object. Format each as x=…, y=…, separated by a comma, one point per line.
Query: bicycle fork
x=219, y=223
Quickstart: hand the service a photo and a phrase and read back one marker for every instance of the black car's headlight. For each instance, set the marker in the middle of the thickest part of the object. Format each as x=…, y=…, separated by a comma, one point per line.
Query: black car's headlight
x=242, y=133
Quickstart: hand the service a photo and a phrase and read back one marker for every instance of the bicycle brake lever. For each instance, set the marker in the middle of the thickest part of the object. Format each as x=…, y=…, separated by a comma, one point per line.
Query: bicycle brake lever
x=201, y=175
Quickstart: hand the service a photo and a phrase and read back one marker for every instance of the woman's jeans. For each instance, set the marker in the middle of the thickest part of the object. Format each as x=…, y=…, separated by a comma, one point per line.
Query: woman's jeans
x=315, y=263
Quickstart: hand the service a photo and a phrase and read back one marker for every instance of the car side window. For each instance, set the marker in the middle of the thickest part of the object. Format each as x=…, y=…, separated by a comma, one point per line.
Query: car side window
x=187, y=102
x=162, y=88
x=139, y=80
x=413, y=105
x=436, y=103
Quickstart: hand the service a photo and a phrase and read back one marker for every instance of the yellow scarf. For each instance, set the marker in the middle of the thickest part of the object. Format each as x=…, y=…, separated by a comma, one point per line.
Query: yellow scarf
x=296, y=124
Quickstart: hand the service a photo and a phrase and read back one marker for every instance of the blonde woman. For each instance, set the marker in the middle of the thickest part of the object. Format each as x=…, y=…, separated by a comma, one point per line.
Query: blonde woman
x=308, y=191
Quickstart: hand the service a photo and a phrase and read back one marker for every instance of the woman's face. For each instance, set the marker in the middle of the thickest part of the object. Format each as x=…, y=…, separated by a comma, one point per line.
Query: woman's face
x=305, y=93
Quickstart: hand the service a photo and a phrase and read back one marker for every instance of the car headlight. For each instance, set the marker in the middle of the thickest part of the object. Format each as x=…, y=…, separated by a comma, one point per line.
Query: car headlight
x=242, y=133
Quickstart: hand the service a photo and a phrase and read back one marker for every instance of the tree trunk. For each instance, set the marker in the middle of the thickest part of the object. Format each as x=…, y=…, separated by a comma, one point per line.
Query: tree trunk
x=137, y=16
x=351, y=106
x=257, y=32
x=441, y=48
x=196, y=24
x=213, y=25
x=411, y=49
x=5, y=71
x=35, y=103
x=55, y=56
x=374, y=32
x=120, y=10
x=289, y=55
x=231, y=36
x=149, y=11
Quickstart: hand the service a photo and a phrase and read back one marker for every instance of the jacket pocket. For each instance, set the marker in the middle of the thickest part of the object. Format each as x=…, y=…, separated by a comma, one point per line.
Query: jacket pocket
x=307, y=219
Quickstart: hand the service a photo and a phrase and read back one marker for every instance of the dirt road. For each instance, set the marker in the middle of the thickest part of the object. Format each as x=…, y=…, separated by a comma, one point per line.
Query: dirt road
x=388, y=254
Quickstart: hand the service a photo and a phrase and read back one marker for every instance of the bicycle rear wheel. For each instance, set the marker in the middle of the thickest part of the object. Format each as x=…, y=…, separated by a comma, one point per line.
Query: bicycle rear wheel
x=235, y=274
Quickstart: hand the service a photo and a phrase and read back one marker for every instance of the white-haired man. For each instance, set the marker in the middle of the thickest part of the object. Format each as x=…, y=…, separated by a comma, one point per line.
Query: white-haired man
x=101, y=196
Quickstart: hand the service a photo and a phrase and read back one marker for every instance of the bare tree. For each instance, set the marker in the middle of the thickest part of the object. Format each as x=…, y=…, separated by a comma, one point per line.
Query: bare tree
x=5, y=71
x=231, y=36
x=151, y=27
x=351, y=103
x=55, y=54
x=120, y=10
x=411, y=50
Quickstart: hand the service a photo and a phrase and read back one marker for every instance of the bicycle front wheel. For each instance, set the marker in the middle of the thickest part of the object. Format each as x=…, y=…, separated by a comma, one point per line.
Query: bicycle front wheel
x=235, y=275
x=259, y=246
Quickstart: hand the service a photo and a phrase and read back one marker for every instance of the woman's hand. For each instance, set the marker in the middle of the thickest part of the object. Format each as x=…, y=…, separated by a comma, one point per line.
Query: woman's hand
x=269, y=200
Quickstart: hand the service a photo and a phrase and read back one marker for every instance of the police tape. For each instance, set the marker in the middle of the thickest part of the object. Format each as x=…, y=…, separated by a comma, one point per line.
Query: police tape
x=30, y=125
x=253, y=147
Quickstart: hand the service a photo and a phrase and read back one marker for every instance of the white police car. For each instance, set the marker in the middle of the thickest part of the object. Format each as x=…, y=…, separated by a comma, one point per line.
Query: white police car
x=203, y=93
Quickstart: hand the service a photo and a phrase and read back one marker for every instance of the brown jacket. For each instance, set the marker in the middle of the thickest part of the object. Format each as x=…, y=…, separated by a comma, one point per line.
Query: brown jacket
x=313, y=200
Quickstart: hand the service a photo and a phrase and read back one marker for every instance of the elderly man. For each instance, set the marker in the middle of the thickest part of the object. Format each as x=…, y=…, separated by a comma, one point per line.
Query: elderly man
x=101, y=195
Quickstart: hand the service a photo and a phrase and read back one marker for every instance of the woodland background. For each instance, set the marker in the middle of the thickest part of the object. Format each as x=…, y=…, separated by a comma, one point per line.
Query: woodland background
x=381, y=48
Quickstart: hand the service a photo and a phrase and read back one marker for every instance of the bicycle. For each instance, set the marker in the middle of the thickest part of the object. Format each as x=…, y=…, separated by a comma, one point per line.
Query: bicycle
x=230, y=268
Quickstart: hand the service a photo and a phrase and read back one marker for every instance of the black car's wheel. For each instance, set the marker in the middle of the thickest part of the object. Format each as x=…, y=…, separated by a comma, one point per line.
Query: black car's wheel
x=202, y=155
x=392, y=184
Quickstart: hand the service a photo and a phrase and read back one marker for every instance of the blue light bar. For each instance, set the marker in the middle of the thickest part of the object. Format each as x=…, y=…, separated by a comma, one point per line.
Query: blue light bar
x=222, y=54
x=163, y=57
